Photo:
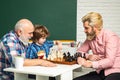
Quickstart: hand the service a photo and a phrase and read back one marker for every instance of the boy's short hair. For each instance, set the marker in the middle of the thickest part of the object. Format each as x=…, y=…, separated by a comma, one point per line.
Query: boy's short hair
x=40, y=31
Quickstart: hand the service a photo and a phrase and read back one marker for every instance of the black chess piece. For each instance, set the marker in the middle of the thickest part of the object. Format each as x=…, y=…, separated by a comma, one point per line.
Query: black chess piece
x=68, y=54
x=76, y=55
x=84, y=56
x=64, y=54
x=72, y=58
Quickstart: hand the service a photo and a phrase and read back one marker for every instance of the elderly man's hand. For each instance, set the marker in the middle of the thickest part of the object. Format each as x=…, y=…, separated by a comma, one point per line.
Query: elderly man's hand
x=48, y=63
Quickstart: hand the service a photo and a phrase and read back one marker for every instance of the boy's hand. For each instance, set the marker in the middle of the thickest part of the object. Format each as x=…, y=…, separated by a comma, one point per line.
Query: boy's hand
x=59, y=44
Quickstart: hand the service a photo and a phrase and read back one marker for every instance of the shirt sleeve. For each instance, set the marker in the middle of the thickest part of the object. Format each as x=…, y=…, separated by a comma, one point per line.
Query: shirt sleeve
x=84, y=48
x=49, y=43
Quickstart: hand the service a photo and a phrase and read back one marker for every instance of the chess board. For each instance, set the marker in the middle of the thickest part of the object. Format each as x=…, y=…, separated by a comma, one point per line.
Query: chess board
x=63, y=62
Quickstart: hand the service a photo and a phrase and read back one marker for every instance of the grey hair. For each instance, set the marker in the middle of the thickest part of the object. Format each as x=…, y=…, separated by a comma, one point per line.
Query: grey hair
x=21, y=24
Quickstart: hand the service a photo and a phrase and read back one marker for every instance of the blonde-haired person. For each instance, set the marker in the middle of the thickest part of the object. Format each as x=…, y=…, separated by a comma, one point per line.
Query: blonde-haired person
x=105, y=46
x=15, y=43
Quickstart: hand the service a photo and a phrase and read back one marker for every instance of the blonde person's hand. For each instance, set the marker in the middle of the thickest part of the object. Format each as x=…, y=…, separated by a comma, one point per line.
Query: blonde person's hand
x=94, y=57
x=80, y=60
x=83, y=62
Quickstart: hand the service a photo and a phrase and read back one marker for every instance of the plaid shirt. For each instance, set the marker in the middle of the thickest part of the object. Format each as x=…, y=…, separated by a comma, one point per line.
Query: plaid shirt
x=11, y=46
x=34, y=48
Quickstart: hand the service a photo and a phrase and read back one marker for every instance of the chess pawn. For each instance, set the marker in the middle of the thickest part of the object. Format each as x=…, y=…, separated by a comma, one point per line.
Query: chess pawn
x=52, y=58
x=53, y=55
x=60, y=55
x=49, y=57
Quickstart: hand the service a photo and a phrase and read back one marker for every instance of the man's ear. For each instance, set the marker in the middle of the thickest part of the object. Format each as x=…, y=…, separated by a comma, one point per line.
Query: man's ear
x=19, y=32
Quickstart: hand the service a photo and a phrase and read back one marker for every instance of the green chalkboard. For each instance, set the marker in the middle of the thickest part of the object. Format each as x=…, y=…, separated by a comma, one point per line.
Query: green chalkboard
x=59, y=16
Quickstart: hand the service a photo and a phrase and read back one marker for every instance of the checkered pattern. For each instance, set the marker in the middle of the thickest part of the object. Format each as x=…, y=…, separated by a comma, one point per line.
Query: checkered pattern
x=12, y=46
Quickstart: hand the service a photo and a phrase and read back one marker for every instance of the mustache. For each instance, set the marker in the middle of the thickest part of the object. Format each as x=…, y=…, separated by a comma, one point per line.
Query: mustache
x=90, y=36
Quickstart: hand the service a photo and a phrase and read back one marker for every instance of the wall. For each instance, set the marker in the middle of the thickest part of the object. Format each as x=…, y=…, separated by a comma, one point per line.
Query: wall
x=109, y=9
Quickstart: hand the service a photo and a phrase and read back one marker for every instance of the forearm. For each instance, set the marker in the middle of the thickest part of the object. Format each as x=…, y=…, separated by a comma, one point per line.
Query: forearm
x=38, y=62
x=32, y=62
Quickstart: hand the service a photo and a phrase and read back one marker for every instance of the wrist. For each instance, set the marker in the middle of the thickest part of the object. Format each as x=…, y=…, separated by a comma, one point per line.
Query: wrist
x=56, y=42
x=90, y=63
x=41, y=63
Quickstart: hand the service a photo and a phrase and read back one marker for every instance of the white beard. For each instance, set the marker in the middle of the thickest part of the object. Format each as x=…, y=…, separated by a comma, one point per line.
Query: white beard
x=23, y=39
